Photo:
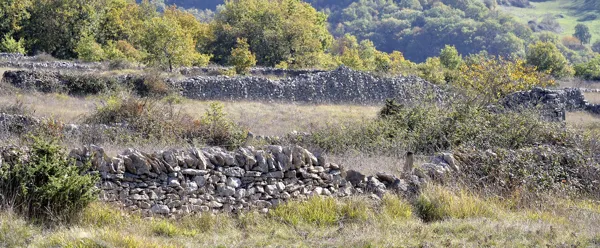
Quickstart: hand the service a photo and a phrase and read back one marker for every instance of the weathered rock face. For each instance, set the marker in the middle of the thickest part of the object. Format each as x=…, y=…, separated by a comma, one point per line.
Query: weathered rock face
x=339, y=86
x=552, y=104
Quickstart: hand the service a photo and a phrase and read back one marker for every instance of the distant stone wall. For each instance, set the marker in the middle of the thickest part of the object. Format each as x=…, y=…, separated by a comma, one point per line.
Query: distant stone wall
x=17, y=60
x=256, y=71
x=552, y=104
x=339, y=86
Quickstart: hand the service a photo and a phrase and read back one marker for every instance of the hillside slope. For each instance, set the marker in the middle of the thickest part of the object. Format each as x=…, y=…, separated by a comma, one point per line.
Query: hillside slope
x=568, y=13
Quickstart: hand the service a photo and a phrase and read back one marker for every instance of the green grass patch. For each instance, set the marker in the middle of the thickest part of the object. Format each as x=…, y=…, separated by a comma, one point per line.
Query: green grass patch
x=437, y=203
x=396, y=207
x=321, y=211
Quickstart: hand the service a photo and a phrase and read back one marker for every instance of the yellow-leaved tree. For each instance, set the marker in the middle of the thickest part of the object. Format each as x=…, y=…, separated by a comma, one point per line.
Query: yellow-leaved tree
x=490, y=79
x=169, y=44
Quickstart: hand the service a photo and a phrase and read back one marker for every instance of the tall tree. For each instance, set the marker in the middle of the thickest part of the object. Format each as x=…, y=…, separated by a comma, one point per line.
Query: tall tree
x=12, y=15
x=276, y=30
x=169, y=45
x=55, y=26
x=582, y=32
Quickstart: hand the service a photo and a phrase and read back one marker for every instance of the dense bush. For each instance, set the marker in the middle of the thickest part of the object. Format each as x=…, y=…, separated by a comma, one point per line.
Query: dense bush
x=563, y=168
x=88, y=84
x=589, y=70
x=427, y=128
x=151, y=84
x=546, y=57
x=46, y=185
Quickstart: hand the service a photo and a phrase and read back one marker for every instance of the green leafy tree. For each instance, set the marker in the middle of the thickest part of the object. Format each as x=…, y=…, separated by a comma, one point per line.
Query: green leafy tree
x=241, y=57
x=276, y=30
x=450, y=58
x=13, y=14
x=167, y=44
x=56, y=26
x=582, y=32
x=10, y=45
x=546, y=57
x=89, y=50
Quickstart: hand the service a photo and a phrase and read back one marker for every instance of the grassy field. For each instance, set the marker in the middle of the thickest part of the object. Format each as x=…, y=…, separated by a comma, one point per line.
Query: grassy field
x=570, y=10
x=465, y=221
x=261, y=118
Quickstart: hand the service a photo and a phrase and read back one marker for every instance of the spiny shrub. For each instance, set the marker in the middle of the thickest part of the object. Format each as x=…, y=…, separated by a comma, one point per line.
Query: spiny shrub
x=147, y=117
x=16, y=108
x=47, y=185
x=215, y=129
x=438, y=203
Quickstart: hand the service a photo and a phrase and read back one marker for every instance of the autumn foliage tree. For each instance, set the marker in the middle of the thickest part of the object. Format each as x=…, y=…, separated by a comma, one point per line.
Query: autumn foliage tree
x=493, y=78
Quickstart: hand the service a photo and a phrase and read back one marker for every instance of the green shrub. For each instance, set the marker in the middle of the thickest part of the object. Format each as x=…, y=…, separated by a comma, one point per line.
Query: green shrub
x=241, y=58
x=10, y=45
x=88, y=84
x=48, y=185
x=589, y=70
x=89, y=50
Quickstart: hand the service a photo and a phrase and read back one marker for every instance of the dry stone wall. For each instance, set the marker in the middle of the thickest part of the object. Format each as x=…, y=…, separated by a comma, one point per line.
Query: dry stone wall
x=185, y=181
x=16, y=60
x=339, y=86
x=552, y=103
